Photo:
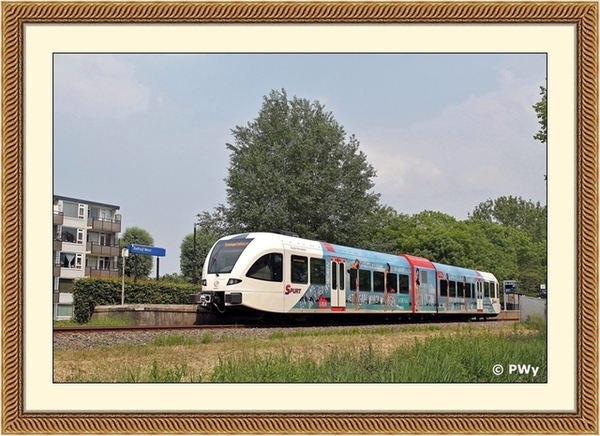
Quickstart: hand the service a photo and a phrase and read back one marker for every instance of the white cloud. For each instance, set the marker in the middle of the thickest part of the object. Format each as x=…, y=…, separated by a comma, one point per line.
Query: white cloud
x=477, y=149
x=97, y=86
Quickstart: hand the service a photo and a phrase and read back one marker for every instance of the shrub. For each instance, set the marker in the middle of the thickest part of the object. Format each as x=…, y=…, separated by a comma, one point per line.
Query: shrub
x=91, y=292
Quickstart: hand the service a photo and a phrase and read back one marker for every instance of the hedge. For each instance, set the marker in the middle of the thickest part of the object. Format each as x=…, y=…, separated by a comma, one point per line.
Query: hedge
x=91, y=292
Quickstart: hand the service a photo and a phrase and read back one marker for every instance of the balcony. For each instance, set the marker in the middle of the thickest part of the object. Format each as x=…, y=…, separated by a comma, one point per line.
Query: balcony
x=102, y=250
x=57, y=245
x=59, y=218
x=102, y=273
x=104, y=225
x=56, y=270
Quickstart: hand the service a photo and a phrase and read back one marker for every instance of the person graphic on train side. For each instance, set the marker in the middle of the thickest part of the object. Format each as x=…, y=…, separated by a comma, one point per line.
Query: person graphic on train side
x=390, y=297
x=355, y=266
x=385, y=286
x=417, y=289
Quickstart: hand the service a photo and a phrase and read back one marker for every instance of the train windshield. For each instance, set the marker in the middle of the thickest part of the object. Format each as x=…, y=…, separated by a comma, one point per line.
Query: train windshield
x=225, y=254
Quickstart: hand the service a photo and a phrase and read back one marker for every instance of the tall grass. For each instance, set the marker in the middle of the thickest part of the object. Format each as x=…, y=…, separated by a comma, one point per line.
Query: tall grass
x=462, y=358
x=376, y=355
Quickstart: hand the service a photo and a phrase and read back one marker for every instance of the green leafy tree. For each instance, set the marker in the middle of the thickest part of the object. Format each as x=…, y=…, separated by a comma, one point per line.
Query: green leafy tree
x=541, y=110
x=136, y=265
x=292, y=168
x=204, y=241
x=515, y=212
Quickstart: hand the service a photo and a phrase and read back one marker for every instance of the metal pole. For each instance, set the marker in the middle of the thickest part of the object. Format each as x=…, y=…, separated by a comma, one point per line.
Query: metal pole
x=124, y=254
x=194, y=260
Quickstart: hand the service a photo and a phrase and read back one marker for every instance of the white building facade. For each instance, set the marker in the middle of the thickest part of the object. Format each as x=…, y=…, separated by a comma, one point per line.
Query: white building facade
x=86, y=244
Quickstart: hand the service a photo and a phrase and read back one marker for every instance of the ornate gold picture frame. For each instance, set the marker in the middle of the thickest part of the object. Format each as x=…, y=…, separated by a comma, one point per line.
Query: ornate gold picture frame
x=16, y=15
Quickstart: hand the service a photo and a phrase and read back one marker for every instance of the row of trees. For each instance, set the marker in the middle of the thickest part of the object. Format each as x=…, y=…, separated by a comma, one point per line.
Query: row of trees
x=292, y=168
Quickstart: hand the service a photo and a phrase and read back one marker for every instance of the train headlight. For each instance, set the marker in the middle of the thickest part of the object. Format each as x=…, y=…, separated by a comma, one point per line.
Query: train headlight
x=233, y=282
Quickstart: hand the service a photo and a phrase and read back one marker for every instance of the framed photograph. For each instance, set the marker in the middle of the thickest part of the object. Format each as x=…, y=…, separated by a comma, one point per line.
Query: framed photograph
x=35, y=32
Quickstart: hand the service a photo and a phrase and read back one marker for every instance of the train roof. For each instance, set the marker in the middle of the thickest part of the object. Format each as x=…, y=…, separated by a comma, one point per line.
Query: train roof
x=330, y=249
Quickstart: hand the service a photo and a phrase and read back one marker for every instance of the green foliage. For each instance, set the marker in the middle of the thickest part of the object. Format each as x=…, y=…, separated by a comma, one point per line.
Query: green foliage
x=204, y=241
x=514, y=212
x=91, y=292
x=542, y=114
x=292, y=168
x=137, y=265
x=510, y=253
x=174, y=278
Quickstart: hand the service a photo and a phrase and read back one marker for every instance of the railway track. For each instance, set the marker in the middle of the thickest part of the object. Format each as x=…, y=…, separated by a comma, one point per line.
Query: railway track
x=157, y=328
x=91, y=329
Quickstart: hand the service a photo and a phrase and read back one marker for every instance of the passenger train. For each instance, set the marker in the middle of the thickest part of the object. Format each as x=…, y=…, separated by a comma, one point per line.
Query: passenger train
x=256, y=274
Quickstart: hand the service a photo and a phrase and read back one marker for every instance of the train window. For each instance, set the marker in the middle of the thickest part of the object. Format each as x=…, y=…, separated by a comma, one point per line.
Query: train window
x=268, y=267
x=352, y=279
x=452, y=288
x=378, y=284
x=403, y=284
x=342, y=277
x=225, y=254
x=468, y=292
x=443, y=288
x=299, y=269
x=486, y=289
x=317, y=271
x=460, y=289
x=334, y=273
x=364, y=277
x=392, y=282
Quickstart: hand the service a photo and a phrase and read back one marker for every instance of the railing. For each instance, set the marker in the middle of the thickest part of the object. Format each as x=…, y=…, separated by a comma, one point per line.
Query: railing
x=104, y=225
x=58, y=219
x=57, y=246
x=103, y=273
x=102, y=250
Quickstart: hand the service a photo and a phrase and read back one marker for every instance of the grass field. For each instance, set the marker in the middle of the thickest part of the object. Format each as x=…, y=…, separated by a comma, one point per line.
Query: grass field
x=427, y=353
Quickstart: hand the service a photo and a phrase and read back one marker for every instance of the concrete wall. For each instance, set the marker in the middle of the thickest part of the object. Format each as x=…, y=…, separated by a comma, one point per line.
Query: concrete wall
x=153, y=314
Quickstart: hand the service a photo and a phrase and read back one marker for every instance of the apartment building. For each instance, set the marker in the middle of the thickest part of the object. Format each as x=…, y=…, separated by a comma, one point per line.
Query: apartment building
x=86, y=244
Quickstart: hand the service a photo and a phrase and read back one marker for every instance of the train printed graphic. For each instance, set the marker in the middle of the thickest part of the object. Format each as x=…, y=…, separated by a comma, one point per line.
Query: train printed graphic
x=280, y=274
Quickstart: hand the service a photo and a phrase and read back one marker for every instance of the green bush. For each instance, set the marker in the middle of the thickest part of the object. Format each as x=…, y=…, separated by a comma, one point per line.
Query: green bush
x=91, y=292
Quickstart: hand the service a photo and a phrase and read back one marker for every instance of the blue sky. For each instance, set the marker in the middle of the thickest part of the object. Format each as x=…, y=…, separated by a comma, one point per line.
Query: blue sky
x=147, y=132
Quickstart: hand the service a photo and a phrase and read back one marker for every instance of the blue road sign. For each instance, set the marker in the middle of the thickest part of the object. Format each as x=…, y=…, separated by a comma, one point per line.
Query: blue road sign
x=146, y=250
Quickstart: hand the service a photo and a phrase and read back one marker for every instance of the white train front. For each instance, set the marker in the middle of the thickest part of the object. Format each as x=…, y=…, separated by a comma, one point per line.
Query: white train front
x=275, y=273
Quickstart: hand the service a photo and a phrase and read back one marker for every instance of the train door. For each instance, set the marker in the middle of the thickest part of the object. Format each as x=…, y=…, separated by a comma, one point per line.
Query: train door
x=338, y=284
x=479, y=296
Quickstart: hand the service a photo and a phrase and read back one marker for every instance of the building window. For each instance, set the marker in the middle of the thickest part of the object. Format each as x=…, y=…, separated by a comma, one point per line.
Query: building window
x=70, y=209
x=104, y=263
x=71, y=260
x=64, y=310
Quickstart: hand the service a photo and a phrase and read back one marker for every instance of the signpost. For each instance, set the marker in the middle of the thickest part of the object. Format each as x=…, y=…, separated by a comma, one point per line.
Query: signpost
x=509, y=288
x=147, y=250
x=124, y=253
